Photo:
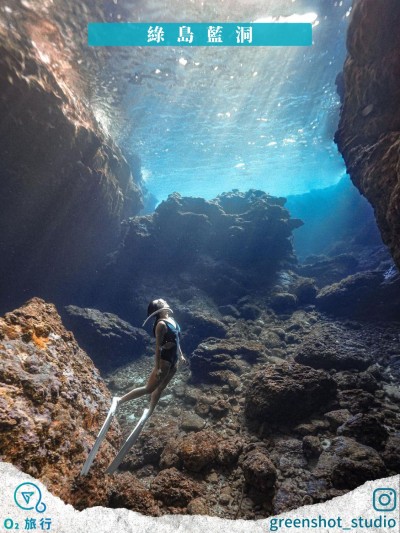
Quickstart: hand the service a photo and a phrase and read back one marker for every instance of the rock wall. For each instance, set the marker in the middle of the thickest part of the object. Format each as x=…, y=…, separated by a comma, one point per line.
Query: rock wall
x=64, y=185
x=369, y=129
x=52, y=404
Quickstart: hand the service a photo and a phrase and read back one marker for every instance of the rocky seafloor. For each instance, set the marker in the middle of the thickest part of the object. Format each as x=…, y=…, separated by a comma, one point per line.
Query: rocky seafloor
x=284, y=410
x=291, y=395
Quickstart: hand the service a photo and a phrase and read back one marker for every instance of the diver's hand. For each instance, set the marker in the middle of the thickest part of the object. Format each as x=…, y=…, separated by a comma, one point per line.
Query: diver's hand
x=183, y=359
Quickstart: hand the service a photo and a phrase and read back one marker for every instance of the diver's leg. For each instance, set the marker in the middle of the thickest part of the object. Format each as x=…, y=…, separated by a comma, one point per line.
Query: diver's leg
x=154, y=380
x=157, y=393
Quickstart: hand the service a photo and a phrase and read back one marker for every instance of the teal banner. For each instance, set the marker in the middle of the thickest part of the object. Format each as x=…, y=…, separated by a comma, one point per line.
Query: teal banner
x=199, y=34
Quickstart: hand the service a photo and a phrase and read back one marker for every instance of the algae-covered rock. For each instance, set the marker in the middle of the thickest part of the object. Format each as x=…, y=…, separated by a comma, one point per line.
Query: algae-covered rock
x=365, y=428
x=258, y=469
x=201, y=451
x=53, y=405
x=219, y=355
x=283, y=302
x=323, y=349
x=174, y=488
x=365, y=295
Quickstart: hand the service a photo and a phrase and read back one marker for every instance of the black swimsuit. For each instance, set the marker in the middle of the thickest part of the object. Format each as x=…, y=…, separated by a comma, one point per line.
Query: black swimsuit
x=169, y=354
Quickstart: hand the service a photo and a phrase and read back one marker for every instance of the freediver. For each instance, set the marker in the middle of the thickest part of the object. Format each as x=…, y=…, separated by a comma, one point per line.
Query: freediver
x=166, y=331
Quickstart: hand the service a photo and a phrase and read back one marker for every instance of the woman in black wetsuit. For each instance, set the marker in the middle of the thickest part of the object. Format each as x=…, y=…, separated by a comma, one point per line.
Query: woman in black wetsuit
x=168, y=350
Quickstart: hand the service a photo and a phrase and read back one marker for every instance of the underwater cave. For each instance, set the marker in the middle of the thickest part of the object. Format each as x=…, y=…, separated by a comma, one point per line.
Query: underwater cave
x=257, y=192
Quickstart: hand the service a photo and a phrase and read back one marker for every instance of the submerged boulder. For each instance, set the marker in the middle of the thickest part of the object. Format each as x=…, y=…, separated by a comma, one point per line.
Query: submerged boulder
x=52, y=407
x=286, y=393
x=174, y=488
x=365, y=428
x=348, y=464
x=391, y=454
x=356, y=400
x=283, y=302
x=200, y=325
x=200, y=451
x=348, y=380
x=259, y=471
x=367, y=295
x=109, y=340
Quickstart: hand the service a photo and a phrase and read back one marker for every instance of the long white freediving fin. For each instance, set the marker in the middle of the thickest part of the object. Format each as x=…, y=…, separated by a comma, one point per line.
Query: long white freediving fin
x=100, y=437
x=130, y=441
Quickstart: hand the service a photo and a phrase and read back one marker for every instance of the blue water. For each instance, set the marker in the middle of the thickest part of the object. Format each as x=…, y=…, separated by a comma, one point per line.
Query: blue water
x=204, y=120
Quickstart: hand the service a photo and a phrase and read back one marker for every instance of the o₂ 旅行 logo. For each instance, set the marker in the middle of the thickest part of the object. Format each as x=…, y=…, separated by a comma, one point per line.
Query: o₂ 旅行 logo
x=28, y=496
x=384, y=499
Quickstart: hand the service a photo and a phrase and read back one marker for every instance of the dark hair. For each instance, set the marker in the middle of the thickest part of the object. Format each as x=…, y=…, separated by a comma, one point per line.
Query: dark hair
x=153, y=306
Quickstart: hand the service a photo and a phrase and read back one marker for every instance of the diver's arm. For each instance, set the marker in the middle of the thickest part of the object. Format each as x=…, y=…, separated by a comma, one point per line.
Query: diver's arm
x=160, y=331
x=181, y=356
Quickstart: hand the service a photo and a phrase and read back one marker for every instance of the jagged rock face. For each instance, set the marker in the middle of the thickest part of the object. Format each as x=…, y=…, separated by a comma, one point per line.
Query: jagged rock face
x=64, y=185
x=369, y=128
x=224, y=247
x=52, y=404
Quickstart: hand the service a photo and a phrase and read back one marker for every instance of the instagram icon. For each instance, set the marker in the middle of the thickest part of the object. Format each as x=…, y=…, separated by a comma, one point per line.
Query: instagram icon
x=384, y=499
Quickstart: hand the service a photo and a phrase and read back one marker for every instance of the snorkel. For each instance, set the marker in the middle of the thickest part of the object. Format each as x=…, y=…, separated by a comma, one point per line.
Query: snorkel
x=154, y=313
